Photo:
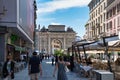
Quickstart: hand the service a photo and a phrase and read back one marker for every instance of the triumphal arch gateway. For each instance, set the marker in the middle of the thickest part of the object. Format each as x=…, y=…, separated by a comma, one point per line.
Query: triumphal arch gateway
x=54, y=37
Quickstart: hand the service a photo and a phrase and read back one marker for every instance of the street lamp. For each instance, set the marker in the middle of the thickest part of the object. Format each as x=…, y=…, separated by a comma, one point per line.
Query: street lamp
x=39, y=37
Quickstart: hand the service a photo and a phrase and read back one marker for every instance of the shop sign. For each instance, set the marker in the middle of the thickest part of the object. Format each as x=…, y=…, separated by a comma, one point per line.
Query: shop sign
x=18, y=48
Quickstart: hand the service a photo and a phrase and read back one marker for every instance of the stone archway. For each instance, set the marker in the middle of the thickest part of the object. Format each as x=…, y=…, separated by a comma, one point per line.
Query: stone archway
x=56, y=44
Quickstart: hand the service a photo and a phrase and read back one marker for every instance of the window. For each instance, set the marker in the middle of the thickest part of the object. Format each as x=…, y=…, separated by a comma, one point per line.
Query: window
x=107, y=26
x=101, y=18
x=114, y=23
x=104, y=28
x=118, y=7
x=104, y=16
x=118, y=21
x=111, y=25
x=104, y=5
x=96, y=20
x=107, y=15
x=96, y=12
x=114, y=10
x=101, y=8
x=111, y=13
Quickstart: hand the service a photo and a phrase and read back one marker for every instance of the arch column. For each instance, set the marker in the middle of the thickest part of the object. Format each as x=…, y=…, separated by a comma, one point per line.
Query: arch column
x=49, y=45
x=64, y=42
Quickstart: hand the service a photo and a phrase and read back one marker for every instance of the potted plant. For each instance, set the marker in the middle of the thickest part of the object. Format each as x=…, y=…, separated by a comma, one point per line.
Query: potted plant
x=117, y=64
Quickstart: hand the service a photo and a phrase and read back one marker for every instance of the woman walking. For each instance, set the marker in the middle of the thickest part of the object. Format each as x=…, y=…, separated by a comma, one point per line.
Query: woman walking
x=61, y=66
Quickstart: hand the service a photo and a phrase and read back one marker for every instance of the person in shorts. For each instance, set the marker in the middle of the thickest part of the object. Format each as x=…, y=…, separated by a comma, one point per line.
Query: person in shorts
x=34, y=67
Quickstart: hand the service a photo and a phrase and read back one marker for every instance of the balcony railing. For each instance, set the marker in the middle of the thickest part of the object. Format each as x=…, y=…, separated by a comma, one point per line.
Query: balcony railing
x=97, y=25
x=93, y=27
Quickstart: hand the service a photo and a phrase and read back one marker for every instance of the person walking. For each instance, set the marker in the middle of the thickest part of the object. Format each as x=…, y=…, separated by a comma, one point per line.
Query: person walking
x=8, y=68
x=34, y=67
x=71, y=62
x=56, y=59
x=61, y=66
x=40, y=56
x=52, y=60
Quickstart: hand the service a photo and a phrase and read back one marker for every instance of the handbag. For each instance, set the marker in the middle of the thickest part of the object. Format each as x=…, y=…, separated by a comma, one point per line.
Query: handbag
x=66, y=69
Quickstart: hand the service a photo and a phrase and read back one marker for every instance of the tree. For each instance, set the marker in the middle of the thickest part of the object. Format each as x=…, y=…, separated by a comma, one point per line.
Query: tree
x=58, y=52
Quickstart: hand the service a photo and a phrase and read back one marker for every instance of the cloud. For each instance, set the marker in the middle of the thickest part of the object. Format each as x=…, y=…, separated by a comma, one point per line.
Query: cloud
x=53, y=23
x=55, y=5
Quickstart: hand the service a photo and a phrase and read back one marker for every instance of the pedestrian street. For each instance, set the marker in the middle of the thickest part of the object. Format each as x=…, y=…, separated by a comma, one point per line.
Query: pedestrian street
x=47, y=73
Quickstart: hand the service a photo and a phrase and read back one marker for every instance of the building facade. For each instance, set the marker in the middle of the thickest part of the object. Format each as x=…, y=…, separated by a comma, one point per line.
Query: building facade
x=95, y=26
x=113, y=17
x=16, y=27
x=55, y=37
x=88, y=32
x=104, y=19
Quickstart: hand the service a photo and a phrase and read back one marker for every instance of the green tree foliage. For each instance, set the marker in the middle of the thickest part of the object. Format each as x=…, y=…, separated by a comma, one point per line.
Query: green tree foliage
x=58, y=52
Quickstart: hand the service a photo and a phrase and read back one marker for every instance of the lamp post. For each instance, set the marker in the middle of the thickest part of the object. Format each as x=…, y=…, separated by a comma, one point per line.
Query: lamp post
x=34, y=34
x=39, y=37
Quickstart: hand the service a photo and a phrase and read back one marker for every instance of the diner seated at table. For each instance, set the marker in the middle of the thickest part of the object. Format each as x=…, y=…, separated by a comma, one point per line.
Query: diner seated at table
x=86, y=68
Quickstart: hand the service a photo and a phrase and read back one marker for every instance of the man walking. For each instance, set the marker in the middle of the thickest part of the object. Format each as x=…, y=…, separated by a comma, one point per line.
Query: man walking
x=34, y=67
x=52, y=60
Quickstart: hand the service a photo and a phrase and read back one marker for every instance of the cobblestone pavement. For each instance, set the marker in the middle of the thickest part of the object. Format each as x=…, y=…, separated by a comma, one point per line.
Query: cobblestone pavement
x=47, y=73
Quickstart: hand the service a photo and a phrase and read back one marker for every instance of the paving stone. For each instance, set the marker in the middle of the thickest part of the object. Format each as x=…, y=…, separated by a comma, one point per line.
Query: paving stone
x=47, y=73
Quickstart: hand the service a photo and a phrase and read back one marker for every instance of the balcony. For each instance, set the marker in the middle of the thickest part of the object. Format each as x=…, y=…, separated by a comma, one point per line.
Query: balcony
x=97, y=25
x=95, y=37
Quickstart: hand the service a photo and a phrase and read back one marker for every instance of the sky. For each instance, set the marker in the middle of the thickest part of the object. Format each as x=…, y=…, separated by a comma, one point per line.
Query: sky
x=71, y=13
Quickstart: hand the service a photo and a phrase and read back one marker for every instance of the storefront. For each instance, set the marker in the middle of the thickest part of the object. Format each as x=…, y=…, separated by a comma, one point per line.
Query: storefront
x=3, y=32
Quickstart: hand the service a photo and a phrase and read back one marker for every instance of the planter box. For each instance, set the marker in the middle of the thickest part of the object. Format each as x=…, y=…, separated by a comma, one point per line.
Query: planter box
x=103, y=75
x=117, y=68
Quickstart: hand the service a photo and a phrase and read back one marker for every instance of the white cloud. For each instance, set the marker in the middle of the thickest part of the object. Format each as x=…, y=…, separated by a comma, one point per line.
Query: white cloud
x=53, y=23
x=60, y=4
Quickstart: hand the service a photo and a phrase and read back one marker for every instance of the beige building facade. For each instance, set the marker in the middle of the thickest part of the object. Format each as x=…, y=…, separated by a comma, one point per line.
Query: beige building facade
x=55, y=37
x=95, y=27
